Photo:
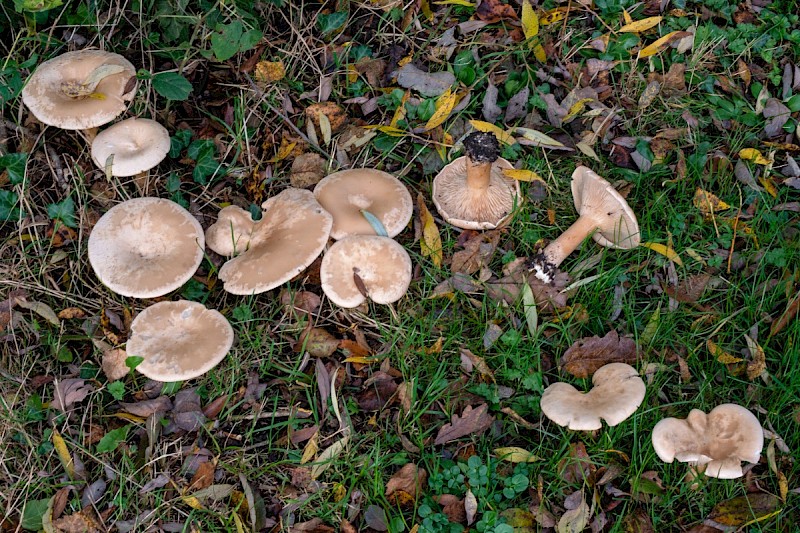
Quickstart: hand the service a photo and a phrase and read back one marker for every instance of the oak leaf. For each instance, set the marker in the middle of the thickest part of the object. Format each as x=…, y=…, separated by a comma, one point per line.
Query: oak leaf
x=470, y=422
x=587, y=355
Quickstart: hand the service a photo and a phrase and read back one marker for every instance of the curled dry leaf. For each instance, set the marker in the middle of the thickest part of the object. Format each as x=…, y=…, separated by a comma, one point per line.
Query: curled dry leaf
x=405, y=487
x=68, y=392
x=477, y=252
x=587, y=355
x=471, y=421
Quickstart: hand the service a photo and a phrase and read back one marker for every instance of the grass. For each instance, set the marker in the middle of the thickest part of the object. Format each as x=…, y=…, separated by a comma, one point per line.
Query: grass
x=250, y=438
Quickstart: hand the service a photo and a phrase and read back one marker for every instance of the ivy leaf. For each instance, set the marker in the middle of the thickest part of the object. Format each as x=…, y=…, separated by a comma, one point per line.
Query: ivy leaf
x=172, y=86
x=15, y=166
x=112, y=439
x=332, y=22
x=225, y=43
x=8, y=205
x=63, y=211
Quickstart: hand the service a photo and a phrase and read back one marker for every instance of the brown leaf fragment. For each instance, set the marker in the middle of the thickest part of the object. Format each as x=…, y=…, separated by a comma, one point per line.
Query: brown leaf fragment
x=576, y=466
x=587, y=355
x=113, y=364
x=778, y=114
x=315, y=525
x=76, y=523
x=69, y=313
x=744, y=509
x=406, y=486
x=214, y=408
x=471, y=421
x=317, y=342
x=333, y=111
x=477, y=252
x=492, y=11
x=472, y=361
x=375, y=517
x=156, y=483
x=690, y=289
x=69, y=391
x=453, y=508
x=203, y=477
x=347, y=527
x=758, y=362
x=649, y=94
x=145, y=408
x=307, y=170
x=788, y=315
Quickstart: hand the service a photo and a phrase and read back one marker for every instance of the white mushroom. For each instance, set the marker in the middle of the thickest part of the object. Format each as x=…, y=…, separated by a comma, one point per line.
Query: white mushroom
x=134, y=145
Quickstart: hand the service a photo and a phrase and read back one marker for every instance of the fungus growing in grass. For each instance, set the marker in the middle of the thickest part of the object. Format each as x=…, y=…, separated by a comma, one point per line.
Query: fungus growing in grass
x=230, y=234
x=617, y=391
x=135, y=145
x=718, y=441
x=352, y=196
x=179, y=340
x=472, y=192
x=146, y=247
x=289, y=237
x=604, y=214
x=80, y=90
x=354, y=265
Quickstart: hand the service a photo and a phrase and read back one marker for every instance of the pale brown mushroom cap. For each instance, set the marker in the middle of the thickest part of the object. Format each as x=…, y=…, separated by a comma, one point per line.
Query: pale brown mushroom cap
x=179, y=340
x=289, y=237
x=136, y=144
x=477, y=209
x=617, y=391
x=720, y=440
x=146, y=247
x=230, y=234
x=596, y=198
x=345, y=193
x=45, y=98
x=382, y=264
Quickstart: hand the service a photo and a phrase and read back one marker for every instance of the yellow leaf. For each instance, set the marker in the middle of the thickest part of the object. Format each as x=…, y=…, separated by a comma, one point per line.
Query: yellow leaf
x=576, y=109
x=431, y=242
x=657, y=46
x=768, y=185
x=388, y=130
x=627, y=17
x=751, y=154
x=554, y=15
x=530, y=21
x=400, y=112
x=522, y=175
x=539, y=53
x=425, y=7
x=708, y=202
x=192, y=502
x=464, y=3
x=758, y=364
x=587, y=150
x=539, y=138
x=444, y=106
x=721, y=355
x=311, y=449
x=666, y=251
x=238, y=522
x=283, y=152
x=339, y=492
x=640, y=25
x=63, y=454
x=325, y=128
x=502, y=136
x=361, y=360
x=783, y=486
x=513, y=454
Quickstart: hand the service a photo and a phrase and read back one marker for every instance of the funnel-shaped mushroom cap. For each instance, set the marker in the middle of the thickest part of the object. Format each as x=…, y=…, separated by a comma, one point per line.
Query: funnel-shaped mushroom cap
x=616, y=394
x=146, y=247
x=288, y=238
x=596, y=198
x=381, y=264
x=80, y=90
x=136, y=144
x=231, y=233
x=720, y=440
x=475, y=208
x=179, y=340
x=346, y=193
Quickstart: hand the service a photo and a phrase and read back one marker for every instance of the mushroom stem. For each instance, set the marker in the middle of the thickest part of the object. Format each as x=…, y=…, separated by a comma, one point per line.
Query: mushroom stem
x=545, y=263
x=478, y=174
x=483, y=149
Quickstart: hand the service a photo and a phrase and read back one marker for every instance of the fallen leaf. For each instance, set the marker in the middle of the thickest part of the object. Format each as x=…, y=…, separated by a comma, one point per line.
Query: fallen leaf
x=691, y=289
x=574, y=520
x=471, y=361
x=471, y=421
x=334, y=113
x=778, y=114
x=539, y=138
x=327, y=457
x=513, y=454
x=744, y=510
x=203, y=477
x=269, y=71
x=721, y=355
x=407, y=485
x=751, y=154
x=529, y=308
x=307, y=170
x=517, y=106
x=640, y=25
x=41, y=309
x=68, y=392
x=649, y=95
x=588, y=354
x=788, y=315
x=146, y=408
x=664, y=250
x=708, y=202
x=477, y=253
x=530, y=22
x=523, y=175
x=113, y=364
x=427, y=84
x=492, y=11
x=444, y=106
x=317, y=342
x=431, y=242
x=491, y=112
x=659, y=45
x=554, y=15
x=758, y=362
x=470, y=506
x=375, y=517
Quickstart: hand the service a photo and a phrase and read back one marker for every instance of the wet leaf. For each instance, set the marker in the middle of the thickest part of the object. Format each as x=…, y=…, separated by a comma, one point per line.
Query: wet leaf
x=406, y=486
x=431, y=242
x=471, y=421
x=587, y=355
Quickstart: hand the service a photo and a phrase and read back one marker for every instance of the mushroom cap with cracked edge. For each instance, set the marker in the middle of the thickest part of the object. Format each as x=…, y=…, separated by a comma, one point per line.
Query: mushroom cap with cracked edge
x=45, y=99
x=230, y=234
x=345, y=193
x=382, y=264
x=595, y=197
x=146, y=247
x=617, y=391
x=179, y=340
x=137, y=144
x=470, y=208
x=720, y=440
x=289, y=237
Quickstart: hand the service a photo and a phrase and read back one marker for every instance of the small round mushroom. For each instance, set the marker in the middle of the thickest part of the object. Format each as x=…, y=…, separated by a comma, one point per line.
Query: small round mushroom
x=146, y=247
x=135, y=145
x=231, y=233
x=80, y=90
x=376, y=265
x=179, y=340
x=719, y=440
x=617, y=391
x=347, y=194
x=472, y=192
x=604, y=214
x=289, y=237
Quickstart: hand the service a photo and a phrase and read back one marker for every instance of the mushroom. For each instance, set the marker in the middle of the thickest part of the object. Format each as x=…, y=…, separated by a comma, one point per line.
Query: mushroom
x=616, y=393
x=288, y=238
x=231, y=233
x=135, y=145
x=179, y=340
x=80, y=90
x=604, y=214
x=146, y=247
x=719, y=440
x=354, y=265
x=472, y=192
x=352, y=196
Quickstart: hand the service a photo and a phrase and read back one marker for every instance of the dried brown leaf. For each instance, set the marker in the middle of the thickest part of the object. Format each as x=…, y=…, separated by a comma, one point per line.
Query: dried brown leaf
x=113, y=363
x=477, y=253
x=307, y=170
x=587, y=355
x=472, y=361
x=317, y=342
x=406, y=486
x=744, y=509
x=145, y=408
x=68, y=392
x=471, y=421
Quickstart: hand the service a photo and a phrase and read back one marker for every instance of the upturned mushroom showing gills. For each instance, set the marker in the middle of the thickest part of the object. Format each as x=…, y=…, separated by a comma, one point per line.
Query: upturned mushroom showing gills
x=80, y=90
x=146, y=247
x=289, y=237
x=617, y=391
x=472, y=192
x=604, y=214
x=135, y=145
x=718, y=441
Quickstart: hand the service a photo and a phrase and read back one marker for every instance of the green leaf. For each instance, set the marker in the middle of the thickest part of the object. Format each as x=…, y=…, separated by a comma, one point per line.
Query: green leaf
x=173, y=182
x=117, y=390
x=250, y=39
x=171, y=387
x=36, y=5
x=225, y=42
x=8, y=205
x=15, y=165
x=132, y=361
x=793, y=103
x=33, y=514
x=112, y=439
x=63, y=211
x=172, y=85
x=332, y=22
x=529, y=307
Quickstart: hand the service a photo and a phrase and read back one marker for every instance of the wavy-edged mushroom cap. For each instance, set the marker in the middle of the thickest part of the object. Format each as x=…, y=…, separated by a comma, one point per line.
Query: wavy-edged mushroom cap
x=346, y=193
x=720, y=440
x=594, y=197
x=289, y=237
x=146, y=247
x=179, y=340
x=617, y=391
x=231, y=233
x=136, y=144
x=80, y=90
x=383, y=266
